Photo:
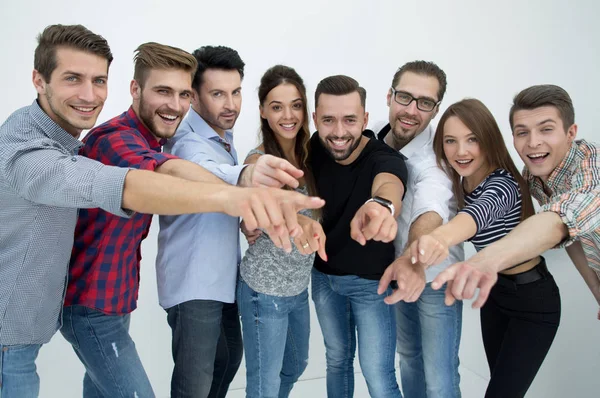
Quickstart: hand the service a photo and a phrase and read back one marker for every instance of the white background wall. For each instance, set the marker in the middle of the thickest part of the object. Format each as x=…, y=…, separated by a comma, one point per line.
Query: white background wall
x=489, y=51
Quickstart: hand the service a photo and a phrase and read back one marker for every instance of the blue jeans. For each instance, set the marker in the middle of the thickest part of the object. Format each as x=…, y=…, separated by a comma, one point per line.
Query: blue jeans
x=104, y=346
x=348, y=306
x=428, y=341
x=276, y=331
x=207, y=347
x=18, y=375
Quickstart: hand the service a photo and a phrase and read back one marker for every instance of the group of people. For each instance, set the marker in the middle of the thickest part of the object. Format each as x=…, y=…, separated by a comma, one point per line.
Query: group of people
x=382, y=250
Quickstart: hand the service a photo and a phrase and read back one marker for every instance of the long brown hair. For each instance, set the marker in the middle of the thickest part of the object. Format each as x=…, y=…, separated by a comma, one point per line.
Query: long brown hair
x=274, y=77
x=477, y=117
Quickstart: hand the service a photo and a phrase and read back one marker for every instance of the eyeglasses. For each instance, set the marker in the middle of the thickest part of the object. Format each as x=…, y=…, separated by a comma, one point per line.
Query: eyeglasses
x=424, y=104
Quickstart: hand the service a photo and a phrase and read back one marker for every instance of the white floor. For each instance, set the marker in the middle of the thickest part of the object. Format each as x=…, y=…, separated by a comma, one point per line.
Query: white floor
x=471, y=385
x=570, y=369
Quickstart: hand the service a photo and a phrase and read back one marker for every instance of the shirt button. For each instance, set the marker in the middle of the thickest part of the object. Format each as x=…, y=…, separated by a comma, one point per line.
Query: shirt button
x=74, y=158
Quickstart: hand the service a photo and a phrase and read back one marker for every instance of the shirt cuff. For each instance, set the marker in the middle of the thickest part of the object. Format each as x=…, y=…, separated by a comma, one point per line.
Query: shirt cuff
x=231, y=175
x=107, y=190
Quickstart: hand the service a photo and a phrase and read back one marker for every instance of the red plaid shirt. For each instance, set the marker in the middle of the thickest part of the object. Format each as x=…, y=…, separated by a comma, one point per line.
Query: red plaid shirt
x=105, y=261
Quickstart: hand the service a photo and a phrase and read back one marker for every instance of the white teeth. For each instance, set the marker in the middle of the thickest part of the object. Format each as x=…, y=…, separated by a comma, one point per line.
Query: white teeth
x=83, y=109
x=411, y=122
x=169, y=117
x=339, y=142
x=288, y=126
x=464, y=161
x=537, y=155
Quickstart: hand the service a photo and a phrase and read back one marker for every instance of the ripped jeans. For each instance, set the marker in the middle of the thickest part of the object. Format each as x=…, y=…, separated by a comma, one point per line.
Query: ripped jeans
x=276, y=331
x=104, y=346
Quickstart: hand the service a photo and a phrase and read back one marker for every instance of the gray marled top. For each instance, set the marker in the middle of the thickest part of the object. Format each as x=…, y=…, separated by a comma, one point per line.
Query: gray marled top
x=270, y=270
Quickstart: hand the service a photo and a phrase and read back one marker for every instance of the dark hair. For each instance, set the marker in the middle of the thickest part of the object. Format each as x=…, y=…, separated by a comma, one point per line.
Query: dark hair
x=423, y=68
x=340, y=85
x=544, y=95
x=152, y=55
x=274, y=77
x=478, y=118
x=76, y=37
x=216, y=57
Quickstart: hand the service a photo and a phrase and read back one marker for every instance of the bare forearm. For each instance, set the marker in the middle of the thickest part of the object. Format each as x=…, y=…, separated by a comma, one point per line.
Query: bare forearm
x=155, y=193
x=423, y=225
x=577, y=255
x=188, y=171
x=531, y=238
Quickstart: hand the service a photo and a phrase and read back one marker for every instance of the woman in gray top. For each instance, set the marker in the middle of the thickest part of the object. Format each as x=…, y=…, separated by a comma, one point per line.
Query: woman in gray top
x=272, y=290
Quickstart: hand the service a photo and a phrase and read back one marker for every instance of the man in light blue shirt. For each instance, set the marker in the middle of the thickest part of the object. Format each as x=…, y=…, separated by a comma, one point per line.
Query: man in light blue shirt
x=198, y=255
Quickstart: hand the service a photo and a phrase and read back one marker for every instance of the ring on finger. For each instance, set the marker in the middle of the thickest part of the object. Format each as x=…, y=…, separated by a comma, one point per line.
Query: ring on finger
x=304, y=246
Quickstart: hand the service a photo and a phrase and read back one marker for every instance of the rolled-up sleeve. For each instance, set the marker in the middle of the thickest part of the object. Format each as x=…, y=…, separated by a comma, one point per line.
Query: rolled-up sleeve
x=579, y=210
x=579, y=207
x=39, y=171
x=199, y=153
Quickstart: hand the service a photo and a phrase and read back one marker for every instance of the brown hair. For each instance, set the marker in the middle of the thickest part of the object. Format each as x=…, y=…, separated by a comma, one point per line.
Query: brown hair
x=426, y=69
x=477, y=117
x=274, y=77
x=152, y=55
x=544, y=95
x=340, y=85
x=76, y=37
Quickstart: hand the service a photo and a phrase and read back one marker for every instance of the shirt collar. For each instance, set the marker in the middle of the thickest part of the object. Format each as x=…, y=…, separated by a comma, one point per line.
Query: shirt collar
x=137, y=124
x=418, y=143
x=51, y=129
x=562, y=172
x=200, y=127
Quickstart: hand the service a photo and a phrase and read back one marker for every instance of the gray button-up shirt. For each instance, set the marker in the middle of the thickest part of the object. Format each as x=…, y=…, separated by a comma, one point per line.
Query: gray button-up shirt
x=42, y=183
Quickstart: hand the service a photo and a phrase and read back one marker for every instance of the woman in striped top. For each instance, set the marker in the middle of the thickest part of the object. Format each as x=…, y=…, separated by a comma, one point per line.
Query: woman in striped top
x=521, y=317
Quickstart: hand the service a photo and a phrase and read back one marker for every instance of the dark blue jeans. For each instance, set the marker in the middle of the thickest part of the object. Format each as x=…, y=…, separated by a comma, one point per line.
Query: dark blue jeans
x=104, y=346
x=207, y=348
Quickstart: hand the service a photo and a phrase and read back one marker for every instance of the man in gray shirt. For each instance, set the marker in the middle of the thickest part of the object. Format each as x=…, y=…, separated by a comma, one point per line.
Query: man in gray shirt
x=43, y=181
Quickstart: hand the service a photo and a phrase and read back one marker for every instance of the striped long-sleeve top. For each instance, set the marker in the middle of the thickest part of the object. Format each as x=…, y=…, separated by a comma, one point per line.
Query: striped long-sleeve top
x=495, y=205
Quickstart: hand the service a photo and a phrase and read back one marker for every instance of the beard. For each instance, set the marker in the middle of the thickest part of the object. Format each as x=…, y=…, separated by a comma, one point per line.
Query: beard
x=341, y=155
x=148, y=115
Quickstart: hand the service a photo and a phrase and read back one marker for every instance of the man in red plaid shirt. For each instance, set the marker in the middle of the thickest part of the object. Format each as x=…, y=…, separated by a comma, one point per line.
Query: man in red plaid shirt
x=104, y=267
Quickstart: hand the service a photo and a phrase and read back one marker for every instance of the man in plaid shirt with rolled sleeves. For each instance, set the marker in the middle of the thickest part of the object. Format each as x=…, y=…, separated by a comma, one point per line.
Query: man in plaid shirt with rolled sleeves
x=105, y=261
x=564, y=177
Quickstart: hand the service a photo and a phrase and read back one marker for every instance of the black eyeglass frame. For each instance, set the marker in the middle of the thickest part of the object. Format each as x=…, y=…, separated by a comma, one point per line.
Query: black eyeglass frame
x=394, y=91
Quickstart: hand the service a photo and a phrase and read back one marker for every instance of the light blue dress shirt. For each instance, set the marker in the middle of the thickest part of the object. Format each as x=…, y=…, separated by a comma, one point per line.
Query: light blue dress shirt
x=198, y=254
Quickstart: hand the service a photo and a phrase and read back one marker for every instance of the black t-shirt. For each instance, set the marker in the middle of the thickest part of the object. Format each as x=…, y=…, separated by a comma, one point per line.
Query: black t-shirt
x=345, y=189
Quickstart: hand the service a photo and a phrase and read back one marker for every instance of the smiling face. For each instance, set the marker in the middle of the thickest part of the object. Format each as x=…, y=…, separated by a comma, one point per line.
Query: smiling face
x=407, y=121
x=462, y=152
x=540, y=138
x=219, y=99
x=76, y=91
x=163, y=99
x=340, y=121
x=283, y=109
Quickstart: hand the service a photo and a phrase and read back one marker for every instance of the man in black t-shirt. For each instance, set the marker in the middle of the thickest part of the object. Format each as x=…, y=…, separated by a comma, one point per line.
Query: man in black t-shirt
x=362, y=182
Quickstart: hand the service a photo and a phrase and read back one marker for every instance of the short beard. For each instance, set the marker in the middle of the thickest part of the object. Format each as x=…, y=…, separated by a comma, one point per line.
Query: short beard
x=340, y=158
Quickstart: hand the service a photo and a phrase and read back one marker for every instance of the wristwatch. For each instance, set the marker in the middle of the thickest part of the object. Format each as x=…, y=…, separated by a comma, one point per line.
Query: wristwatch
x=384, y=202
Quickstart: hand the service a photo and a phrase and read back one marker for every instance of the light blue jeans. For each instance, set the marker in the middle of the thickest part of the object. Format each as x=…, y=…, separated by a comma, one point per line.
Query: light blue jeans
x=276, y=331
x=18, y=374
x=428, y=341
x=102, y=342
x=349, y=306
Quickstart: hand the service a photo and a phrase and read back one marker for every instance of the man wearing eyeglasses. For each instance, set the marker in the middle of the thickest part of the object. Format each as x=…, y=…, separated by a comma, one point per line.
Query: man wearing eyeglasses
x=428, y=331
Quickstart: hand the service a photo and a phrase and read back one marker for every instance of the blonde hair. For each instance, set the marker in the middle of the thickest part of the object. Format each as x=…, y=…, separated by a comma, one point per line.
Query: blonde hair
x=149, y=56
